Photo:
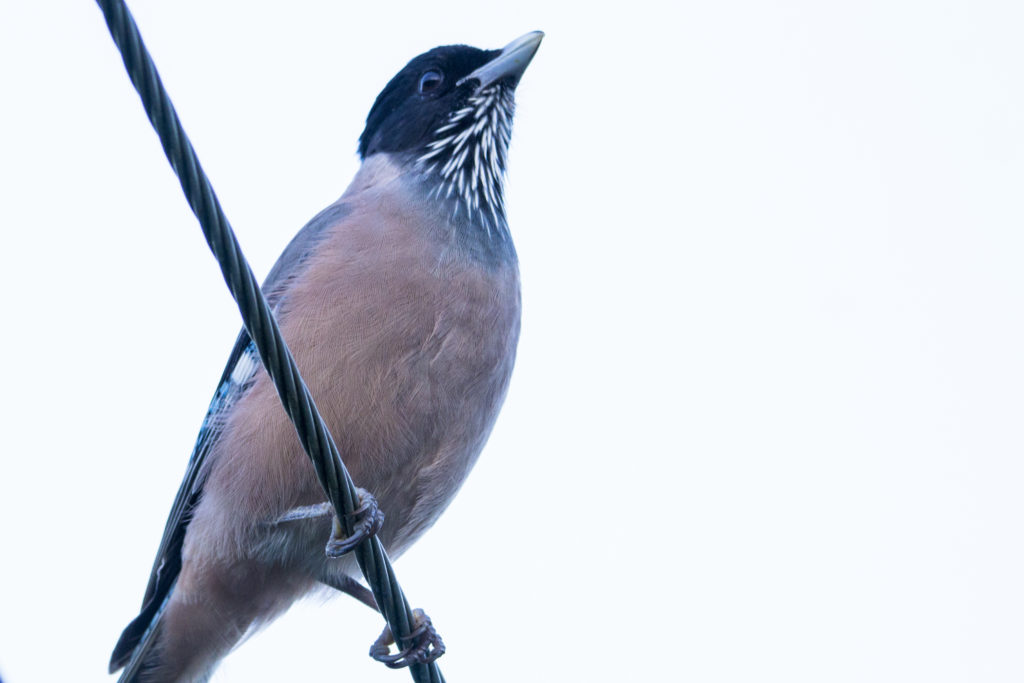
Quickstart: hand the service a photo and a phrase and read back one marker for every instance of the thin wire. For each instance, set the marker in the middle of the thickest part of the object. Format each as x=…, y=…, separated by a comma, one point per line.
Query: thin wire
x=262, y=327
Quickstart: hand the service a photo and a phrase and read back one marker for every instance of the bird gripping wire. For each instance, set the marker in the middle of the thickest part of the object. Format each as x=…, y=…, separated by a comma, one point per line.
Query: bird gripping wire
x=263, y=329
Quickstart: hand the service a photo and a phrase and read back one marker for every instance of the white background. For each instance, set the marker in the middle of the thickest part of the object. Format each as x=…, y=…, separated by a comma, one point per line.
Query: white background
x=766, y=423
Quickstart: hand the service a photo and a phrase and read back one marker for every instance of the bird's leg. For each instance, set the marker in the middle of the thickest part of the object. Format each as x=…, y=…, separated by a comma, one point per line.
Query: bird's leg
x=349, y=586
x=425, y=644
x=368, y=520
x=305, y=512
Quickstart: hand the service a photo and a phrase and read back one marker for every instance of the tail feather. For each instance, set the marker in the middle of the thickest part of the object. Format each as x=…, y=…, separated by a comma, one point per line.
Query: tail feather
x=138, y=639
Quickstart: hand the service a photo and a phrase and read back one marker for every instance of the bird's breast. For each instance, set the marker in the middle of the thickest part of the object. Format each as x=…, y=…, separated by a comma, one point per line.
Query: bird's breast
x=407, y=345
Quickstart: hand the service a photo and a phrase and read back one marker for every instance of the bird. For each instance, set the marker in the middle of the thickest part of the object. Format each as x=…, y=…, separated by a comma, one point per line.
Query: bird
x=401, y=304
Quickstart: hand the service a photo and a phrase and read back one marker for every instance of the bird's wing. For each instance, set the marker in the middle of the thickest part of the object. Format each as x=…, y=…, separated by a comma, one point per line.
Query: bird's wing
x=241, y=367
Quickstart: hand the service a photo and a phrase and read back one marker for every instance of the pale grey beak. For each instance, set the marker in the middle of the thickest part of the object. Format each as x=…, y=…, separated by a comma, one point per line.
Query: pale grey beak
x=512, y=61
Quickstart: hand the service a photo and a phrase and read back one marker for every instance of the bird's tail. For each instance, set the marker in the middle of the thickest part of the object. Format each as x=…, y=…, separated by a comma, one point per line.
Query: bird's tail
x=135, y=648
x=151, y=650
x=187, y=634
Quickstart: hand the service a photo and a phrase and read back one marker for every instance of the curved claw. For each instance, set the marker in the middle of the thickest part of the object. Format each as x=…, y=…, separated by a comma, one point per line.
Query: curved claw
x=425, y=644
x=369, y=519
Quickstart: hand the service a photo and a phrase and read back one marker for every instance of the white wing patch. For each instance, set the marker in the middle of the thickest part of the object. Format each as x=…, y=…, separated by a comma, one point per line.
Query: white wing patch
x=229, y=391
x=246, y=366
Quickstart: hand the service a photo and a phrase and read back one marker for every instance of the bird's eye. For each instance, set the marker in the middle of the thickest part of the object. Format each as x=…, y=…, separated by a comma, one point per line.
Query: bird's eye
x=430, y=81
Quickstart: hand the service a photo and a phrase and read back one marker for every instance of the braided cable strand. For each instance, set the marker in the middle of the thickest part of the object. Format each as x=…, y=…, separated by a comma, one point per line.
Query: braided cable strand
x=262, y=327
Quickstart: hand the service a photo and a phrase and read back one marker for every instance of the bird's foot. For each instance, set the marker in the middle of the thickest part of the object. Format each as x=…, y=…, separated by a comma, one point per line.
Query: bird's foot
x=368, y=520
x=425, y=644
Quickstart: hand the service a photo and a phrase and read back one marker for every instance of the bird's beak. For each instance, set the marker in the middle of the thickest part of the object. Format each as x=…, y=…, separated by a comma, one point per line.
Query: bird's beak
x=512, y=61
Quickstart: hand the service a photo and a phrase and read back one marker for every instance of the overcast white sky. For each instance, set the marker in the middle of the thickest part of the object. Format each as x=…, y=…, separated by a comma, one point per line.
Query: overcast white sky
x=766, y=423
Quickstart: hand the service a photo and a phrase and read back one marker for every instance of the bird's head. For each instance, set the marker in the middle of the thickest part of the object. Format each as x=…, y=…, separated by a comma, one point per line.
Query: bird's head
x=448, y=113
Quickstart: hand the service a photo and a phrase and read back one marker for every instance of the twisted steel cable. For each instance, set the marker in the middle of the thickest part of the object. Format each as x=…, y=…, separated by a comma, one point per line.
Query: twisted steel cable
x=262, y=328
